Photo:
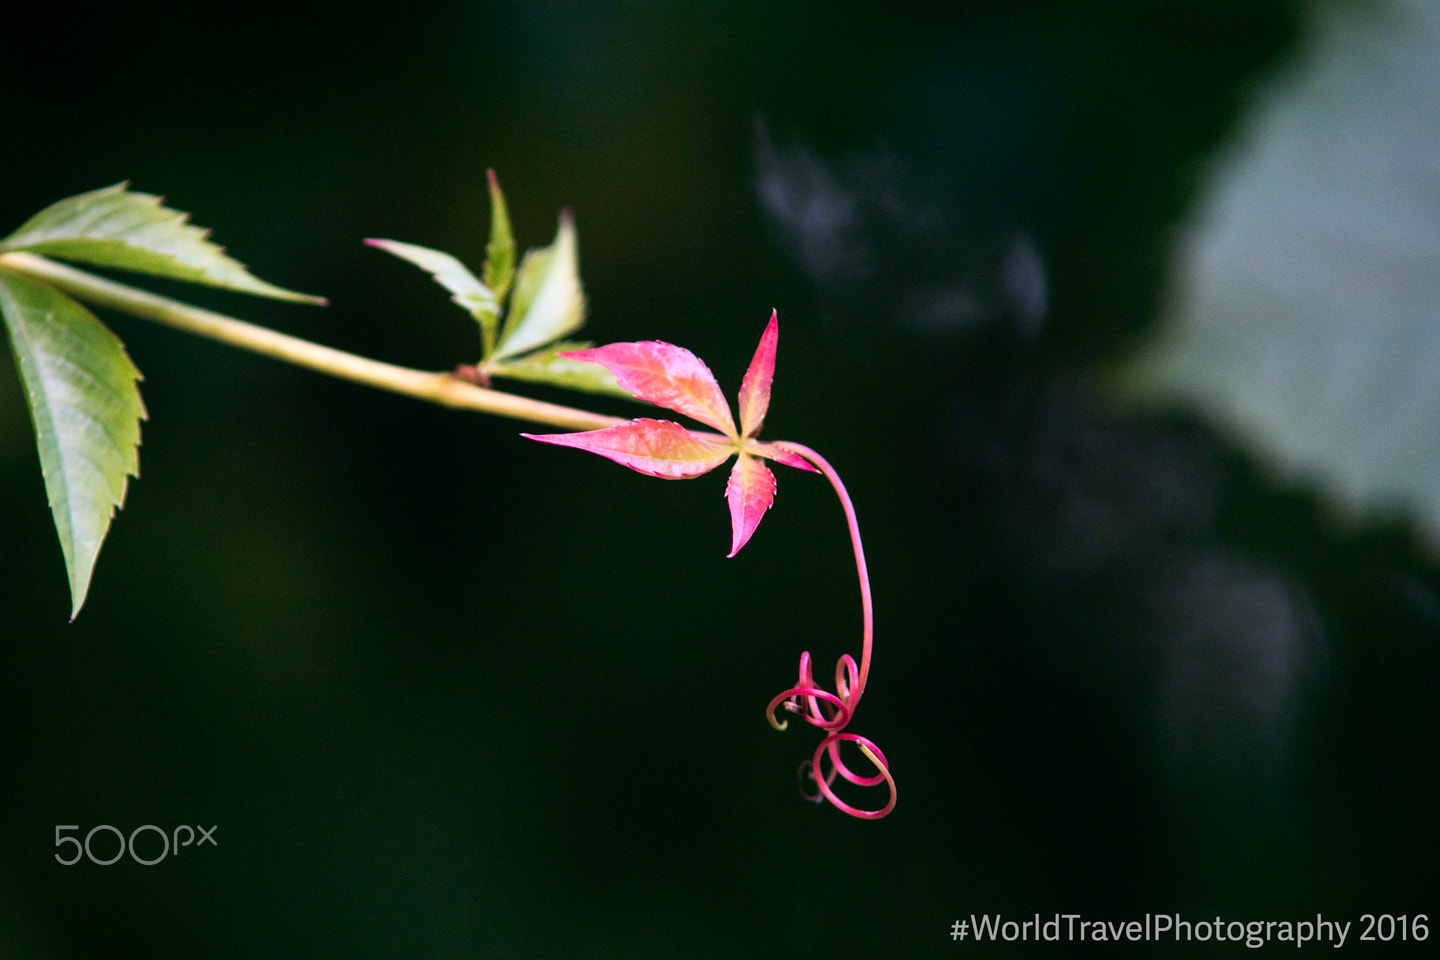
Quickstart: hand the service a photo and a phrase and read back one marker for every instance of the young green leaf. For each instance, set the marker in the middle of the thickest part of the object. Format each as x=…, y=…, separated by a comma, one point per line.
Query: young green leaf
x=465, y=289
x=548, y=302
x=549, y=366
x=86, y=408
x=500, y=252
x=117, y=227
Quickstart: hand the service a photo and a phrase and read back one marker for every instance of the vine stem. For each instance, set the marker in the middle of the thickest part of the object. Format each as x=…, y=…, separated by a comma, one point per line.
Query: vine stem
x=867, y=610
x=445, y=389
x=812, y=702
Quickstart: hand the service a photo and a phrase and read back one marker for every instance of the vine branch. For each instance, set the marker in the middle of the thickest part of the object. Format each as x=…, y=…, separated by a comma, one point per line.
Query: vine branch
x=445, y=389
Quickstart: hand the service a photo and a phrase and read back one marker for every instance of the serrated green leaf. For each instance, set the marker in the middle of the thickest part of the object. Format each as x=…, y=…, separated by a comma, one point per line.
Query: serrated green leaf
x=118, y=227
x=544, y=366
x=85, y=403
x=548, y=302
x=500, y=252
x=465, y=289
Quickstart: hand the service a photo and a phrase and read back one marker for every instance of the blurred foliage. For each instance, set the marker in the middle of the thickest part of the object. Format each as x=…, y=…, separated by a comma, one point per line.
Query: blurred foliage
x=1306, y=307
x=1119, y=665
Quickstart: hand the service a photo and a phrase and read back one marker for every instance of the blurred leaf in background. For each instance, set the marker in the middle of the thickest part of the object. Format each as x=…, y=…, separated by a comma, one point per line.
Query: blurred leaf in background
x=1306, y=303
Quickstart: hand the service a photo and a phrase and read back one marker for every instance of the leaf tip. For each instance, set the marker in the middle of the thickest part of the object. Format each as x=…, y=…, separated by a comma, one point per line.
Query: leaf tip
x=751, y=491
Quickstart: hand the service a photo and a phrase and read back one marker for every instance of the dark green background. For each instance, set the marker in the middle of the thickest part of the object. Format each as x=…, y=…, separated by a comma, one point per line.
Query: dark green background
x=444, y=692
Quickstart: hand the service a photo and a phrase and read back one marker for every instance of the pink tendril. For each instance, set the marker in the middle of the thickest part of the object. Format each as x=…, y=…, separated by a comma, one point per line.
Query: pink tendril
x=832, y=712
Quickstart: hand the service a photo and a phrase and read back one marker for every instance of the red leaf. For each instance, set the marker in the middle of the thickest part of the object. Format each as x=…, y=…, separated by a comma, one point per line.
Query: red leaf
x=666, y=375
x=780, y=455
x=751, y=491
x=659, y=448
x=755, y=388
x=673, y=377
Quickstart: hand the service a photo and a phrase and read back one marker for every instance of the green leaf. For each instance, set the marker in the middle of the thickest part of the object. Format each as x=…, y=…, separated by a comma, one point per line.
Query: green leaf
x=474, y=296
x=85, y=404
x=544, y=366
x=548, y=302
x=500, y=253
x=117, y=227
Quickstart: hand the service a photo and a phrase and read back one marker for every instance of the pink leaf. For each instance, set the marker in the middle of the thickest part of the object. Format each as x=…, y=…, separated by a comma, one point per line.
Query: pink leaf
x=781, y=455
x=655, y=447
x=755, y=388
x=667, y=375
x=751, y=491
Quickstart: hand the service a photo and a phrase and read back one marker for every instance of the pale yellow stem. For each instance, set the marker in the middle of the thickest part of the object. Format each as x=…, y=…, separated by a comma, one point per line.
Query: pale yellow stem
x=445, y=389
